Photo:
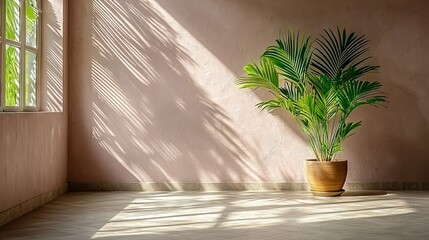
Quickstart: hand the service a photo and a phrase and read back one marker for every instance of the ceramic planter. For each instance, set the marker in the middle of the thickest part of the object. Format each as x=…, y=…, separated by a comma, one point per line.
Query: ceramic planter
x=326, y=178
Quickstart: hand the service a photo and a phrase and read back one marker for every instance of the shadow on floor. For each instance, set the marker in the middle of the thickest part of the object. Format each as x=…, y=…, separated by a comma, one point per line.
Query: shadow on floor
x=363, y=193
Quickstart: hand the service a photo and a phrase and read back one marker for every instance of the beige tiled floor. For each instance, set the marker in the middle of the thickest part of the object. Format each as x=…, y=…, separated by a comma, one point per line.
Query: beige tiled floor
x=226, y=215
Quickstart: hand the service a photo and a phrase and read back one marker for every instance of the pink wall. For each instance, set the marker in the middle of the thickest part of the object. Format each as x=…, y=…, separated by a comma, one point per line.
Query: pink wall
x=153, y=98
x=33, y=146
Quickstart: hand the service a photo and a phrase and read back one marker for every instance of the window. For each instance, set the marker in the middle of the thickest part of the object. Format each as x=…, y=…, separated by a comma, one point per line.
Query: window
x=20, y=55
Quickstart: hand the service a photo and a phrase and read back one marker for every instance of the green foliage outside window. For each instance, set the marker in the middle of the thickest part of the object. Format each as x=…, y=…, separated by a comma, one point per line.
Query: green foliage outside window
x=13, y=59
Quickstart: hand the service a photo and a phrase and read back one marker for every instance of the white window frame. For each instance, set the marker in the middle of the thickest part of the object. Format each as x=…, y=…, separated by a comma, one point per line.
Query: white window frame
x=22, y=45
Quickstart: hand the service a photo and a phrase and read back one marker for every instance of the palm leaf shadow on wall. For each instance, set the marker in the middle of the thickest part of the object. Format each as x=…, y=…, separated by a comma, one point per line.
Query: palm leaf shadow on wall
x=149, y=117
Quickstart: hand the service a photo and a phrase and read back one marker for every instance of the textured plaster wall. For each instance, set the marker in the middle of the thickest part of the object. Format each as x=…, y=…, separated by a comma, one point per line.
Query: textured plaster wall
x=153, y=98
x=33, y=146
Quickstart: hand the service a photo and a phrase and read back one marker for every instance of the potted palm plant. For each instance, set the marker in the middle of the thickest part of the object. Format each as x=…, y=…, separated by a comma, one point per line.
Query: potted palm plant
x=320, y=86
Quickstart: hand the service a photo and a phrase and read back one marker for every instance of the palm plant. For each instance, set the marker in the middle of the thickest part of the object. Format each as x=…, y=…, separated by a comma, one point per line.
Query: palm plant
x=320, y=86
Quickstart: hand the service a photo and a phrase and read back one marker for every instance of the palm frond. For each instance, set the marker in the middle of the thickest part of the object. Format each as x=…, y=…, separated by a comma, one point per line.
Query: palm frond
x=326, y=94
x=336, y=52
x=359, y=93
x=291, y=56
x=265, y=75
x=355, y=72
x=307, y=108
x=269, y=105
x=347, y=129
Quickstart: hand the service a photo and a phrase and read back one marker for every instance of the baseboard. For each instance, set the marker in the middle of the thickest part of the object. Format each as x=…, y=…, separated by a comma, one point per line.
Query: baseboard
x=174, y=186
x=279, y=186
x=31, y=204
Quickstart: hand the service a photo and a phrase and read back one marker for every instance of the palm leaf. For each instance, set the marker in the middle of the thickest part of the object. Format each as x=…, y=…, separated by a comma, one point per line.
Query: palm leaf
x=269, y=105
x=291, y=56
x=265, y=75
x=337, y=52
x=327, y=101
x=355, y=72
x=358, y=93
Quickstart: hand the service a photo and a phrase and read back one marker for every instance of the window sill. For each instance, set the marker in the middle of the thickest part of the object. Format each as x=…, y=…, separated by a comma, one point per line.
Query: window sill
x=30, y=112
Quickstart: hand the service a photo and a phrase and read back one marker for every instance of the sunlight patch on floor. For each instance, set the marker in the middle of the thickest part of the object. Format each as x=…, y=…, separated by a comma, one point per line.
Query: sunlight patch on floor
x=161, y=215
x=166, y=214
x=352, y=210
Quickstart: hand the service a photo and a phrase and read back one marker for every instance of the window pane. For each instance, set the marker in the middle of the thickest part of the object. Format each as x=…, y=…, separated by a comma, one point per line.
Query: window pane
x=12, y=76
x=31, y=22
x=12, y=19
x=30, y=79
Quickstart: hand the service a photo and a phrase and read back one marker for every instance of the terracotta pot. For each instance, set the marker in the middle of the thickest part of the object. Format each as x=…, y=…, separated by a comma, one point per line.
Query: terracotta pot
x=326, y=178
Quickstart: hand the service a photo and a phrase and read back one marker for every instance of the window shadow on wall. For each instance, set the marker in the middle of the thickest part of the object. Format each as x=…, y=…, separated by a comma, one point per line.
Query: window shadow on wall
x=52, y=89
